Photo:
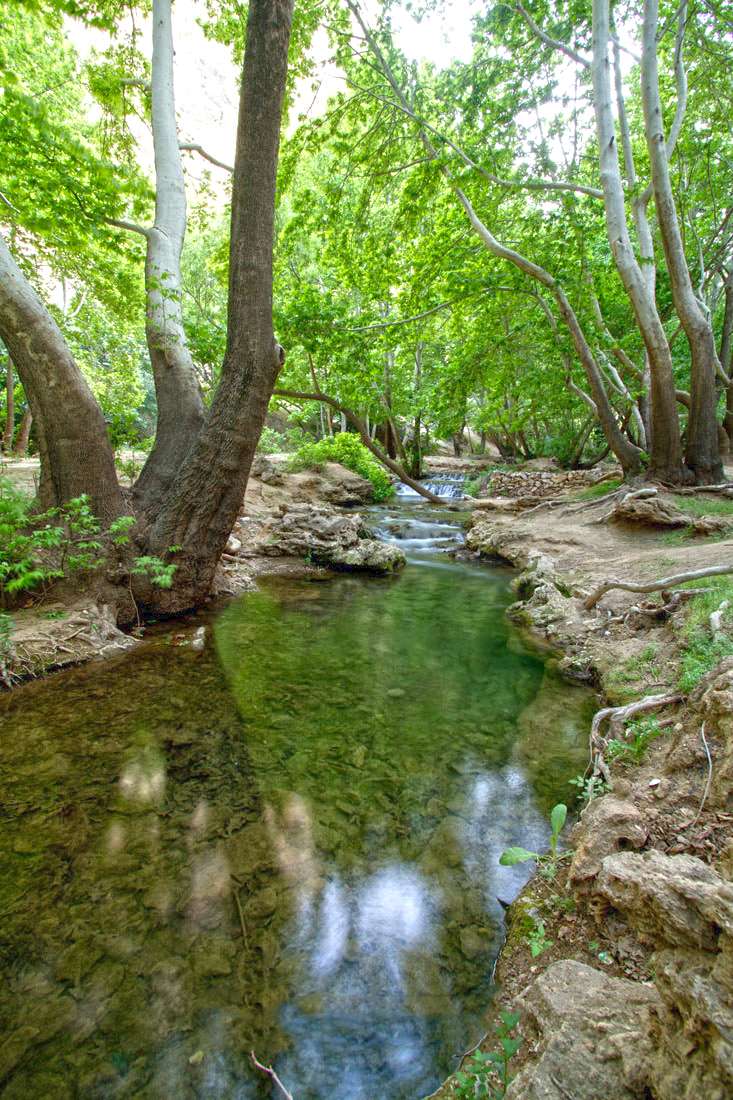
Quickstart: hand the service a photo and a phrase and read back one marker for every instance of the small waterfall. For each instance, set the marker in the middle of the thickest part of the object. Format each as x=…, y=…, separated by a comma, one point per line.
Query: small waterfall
x=447, y=486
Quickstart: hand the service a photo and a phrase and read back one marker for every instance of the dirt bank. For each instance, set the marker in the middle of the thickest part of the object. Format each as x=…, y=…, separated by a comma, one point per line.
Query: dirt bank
x=619, y=960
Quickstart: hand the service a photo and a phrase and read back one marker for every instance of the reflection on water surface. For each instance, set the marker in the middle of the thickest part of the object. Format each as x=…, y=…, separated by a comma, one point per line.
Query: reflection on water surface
x=288, y=842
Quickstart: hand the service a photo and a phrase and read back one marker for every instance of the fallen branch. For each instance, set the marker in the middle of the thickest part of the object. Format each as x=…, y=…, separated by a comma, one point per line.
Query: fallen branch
x=654, y=586
x=270, y=1072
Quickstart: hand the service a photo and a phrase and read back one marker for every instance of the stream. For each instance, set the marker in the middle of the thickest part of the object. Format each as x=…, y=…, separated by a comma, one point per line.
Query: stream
x=287, y=842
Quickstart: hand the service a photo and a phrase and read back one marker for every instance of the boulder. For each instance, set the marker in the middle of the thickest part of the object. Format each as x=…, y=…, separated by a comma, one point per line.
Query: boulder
x=692, y=1029
x=300, y=529
x=367, y=555
x=676, y=900
x=591, y=1032
x=608, y=825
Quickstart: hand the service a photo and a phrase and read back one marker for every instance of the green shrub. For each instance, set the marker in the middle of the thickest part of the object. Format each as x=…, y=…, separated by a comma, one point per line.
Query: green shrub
x=39, y=547
x=347, y=449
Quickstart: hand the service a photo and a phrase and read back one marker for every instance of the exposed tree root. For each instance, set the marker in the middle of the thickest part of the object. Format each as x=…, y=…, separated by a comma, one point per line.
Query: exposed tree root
x=659, y=585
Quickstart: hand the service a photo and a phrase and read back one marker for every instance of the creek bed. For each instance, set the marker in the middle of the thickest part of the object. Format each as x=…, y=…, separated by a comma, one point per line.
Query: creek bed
x=288, y=842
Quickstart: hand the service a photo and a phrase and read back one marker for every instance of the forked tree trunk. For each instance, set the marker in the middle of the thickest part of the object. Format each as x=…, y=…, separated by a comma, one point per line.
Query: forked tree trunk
x=9, y=407
x=178, y=394
x=702, y=452
x=665, y=447
x=78, y=454
x=206, y=497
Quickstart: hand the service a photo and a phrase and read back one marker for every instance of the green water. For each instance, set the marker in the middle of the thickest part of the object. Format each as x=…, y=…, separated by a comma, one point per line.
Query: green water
x=288, y=842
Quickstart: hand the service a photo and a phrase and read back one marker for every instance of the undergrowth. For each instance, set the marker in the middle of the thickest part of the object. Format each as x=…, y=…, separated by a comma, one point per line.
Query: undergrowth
x=348, y=450
x=702, y=651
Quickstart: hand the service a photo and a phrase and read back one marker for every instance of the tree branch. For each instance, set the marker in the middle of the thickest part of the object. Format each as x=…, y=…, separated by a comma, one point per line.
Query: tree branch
x=360, y=424
x=193, y=147
x=553, y=43
x=132, y=227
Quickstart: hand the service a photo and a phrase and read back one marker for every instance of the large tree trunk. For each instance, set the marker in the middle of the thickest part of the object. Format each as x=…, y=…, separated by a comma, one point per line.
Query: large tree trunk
x=665, y=447
x=702, y=451
x=9, y=407
x=178, y=394
x=206, y=497
x=79, y=456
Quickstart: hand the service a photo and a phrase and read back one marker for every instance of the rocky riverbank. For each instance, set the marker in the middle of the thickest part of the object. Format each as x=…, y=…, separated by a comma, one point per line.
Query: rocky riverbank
x=291, y=523
x=630, y=994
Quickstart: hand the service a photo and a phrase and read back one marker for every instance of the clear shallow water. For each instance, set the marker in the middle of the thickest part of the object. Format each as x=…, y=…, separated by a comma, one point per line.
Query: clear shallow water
x=288, y=842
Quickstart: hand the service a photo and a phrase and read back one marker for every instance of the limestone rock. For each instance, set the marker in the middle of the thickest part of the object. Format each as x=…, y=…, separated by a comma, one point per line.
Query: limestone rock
x=676, y=900
x=648, y=511
x=607, y=825
x=592, y=1034
x=692, y=1031
x=301, y=529
x=368, y=555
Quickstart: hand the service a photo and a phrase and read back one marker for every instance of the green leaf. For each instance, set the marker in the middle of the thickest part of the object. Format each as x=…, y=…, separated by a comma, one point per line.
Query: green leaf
x=516, y=855
x=558, y=818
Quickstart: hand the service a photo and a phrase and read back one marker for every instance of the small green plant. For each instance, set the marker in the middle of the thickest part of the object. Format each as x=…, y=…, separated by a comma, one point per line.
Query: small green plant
x=347, y=449
x=537, y=940
x=129, y=468
x=702, y=652
x=158, y=571
x=271, y=442
x=485, y=1074
x=639, y=736
x=548, y=861
x=588, y=787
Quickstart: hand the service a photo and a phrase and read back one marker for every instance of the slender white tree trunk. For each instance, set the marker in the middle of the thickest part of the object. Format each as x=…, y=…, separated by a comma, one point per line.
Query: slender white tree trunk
x=180, y=405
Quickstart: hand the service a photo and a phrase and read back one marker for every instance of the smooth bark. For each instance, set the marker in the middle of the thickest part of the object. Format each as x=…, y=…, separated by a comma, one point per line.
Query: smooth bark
x=76, y=457
x=206, y=497
x=702, y=452
x=665, y=447
x=177, y=390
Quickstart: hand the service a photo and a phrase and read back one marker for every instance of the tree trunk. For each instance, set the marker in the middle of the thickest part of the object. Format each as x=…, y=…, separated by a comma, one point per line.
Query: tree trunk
x=9, y=408
x=702, y=451
x=665, y=448
x=24, y=431
x=206, y=497
x=178, y=394
x=726, y=355
x=79, y=455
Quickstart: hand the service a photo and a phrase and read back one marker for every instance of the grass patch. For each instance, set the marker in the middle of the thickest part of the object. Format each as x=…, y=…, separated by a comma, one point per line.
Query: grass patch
x=702, y=652
x=623, y=682
x=601, y=489
x=684, y=535
x=705, y=506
